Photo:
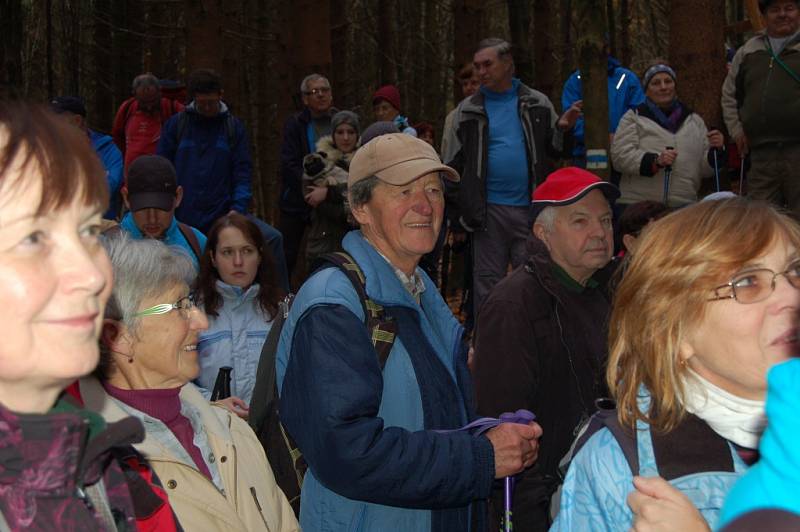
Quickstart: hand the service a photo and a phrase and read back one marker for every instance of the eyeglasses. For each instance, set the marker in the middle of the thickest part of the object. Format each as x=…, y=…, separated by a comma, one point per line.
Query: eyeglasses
x=757, y=285
x=316, y=92
x=184, y=305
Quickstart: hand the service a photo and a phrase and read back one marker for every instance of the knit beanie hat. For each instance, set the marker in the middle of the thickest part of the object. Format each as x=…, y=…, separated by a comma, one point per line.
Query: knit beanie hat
x=345, y=117
x=390, y=93
x=657, y=69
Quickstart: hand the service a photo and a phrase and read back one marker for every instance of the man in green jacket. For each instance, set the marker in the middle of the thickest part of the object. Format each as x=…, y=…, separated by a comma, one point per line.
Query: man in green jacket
x=761, y=105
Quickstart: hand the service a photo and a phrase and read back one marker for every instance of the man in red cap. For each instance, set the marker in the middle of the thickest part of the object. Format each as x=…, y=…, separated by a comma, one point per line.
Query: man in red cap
x=540, y=339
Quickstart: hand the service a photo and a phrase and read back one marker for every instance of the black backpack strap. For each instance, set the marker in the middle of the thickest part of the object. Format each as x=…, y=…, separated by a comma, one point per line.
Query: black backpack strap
x=265, y=392
x=230, y=130
x=180, y=131
x=382, y=328
x=191, y=238
x=626, y=438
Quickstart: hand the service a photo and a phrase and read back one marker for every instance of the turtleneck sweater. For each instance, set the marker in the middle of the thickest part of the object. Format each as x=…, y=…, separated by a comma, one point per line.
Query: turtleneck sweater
x=165, y=406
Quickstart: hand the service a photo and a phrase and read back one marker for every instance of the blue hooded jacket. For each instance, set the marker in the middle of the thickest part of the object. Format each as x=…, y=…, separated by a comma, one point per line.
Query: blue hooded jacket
x=111, y=158
x=773, y=482
x=376, y=461
x=624, y=93
x=216, y=177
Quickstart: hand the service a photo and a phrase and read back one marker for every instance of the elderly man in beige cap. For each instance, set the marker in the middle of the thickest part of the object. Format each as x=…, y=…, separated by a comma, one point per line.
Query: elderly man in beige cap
x=375, y=425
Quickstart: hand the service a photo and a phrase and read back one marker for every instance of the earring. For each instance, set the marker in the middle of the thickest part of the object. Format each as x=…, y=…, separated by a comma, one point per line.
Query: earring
x=682, y=362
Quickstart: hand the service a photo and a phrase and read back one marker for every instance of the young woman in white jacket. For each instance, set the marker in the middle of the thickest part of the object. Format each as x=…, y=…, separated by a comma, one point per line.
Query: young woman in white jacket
x=237, y=289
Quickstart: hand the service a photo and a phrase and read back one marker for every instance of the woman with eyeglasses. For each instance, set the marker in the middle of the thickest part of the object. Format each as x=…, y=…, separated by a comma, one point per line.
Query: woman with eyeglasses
x=212, y=466
x=238, y=291
x=709, y=303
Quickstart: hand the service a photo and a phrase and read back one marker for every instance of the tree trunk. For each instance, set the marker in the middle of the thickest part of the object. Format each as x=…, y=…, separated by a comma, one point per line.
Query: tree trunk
x=594, y=82
x=567, y=51
x=519, y=24
x=612, y=27
x=387, y=22
x=103, y=69
x=697, y=53
x=469, y=30
x=545, y=34
x=11, y=48
x=204, y=41
x=625, y=35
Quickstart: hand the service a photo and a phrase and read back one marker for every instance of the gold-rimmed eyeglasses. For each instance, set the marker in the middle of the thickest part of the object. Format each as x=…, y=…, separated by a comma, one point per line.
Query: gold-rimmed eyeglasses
x=756, y=285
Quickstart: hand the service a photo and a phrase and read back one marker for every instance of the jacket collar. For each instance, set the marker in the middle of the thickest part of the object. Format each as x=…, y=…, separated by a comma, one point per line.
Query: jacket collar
x=382, y=284
x=526, y=95
x=129, y=225
x=96, y=399
x=235, y=293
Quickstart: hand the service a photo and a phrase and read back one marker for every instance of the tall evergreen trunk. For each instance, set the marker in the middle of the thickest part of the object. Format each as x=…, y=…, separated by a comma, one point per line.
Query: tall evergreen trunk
x=612, y=27
x=594, y=80
x=11, y=25
x=625, y=33
x=204, y=40
x=469, y=27
x=545, y=34
x=754, y=15
x=387, y=23
x=519, y=24
x=103, y=94
x=566, y=44
x=697, y=53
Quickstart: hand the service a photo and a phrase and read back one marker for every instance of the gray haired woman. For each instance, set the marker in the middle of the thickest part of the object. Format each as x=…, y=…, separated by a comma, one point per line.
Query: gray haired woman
x=214, y=469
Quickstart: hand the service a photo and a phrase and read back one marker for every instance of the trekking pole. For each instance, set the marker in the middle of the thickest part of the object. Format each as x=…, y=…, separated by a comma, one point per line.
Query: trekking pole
x=507, y=504
x=667, y=174
x=741, y=176
x=716, y=168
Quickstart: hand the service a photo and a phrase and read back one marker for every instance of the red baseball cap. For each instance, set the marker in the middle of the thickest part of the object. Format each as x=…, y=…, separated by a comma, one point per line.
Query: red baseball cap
x=568, y=185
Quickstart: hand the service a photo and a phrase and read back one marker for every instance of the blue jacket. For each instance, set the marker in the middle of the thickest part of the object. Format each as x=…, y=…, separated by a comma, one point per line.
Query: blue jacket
x=234, y=338
x=774, y=481
x=215, y=177
x=172, y=237
x=624, y=93
x=111, y=158
x=375, y=464
x=599, y=480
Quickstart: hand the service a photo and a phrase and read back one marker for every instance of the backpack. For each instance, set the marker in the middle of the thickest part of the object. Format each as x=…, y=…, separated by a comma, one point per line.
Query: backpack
x=183, y=121
x=284, y=457
x=672, y=458
x=167, y=110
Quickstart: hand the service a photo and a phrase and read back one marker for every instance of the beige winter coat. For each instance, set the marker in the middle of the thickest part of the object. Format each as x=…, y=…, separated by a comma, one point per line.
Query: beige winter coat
x=637, y=136
x=251, y=500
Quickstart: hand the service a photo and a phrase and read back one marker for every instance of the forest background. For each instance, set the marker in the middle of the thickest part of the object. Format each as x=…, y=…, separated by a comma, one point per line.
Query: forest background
x=264, y=48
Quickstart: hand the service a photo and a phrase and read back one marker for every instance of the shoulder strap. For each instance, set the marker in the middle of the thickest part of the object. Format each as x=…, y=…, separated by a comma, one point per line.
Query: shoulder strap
x=625, y=437
x=265, y=392
x=230, y=130
x=191, y=238
x=382, y=328
x=183, y=119
x=128, y=104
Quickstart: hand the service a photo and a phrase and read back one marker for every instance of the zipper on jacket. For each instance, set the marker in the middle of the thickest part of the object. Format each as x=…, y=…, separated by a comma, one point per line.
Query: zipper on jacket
x=258, y=505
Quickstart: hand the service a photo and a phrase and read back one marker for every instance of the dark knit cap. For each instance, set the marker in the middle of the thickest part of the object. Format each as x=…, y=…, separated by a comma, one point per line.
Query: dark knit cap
x=377, y=129
x=390, y=93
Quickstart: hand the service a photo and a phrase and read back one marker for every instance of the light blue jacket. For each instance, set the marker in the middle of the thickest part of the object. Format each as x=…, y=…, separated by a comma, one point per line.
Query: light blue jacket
x=774, y=481
x=374, y=465
x=234, y=338
x=599, y=480
x=172, y=237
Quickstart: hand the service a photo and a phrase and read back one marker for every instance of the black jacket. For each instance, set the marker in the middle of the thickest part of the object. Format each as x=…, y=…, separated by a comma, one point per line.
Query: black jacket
x=542, y=346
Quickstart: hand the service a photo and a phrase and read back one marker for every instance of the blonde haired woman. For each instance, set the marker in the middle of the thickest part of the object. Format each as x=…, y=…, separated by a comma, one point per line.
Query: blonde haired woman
x=708, y=305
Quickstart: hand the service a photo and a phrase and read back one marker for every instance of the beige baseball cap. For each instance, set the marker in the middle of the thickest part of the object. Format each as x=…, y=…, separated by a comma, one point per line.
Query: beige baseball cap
x=397, y=159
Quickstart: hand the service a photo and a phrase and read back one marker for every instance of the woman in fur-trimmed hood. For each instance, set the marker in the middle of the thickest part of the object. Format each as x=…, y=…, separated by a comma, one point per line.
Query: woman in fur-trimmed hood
x=325, y=182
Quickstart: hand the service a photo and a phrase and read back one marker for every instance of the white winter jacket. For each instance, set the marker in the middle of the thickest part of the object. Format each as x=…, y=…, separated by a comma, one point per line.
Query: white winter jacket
x=638, y=142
